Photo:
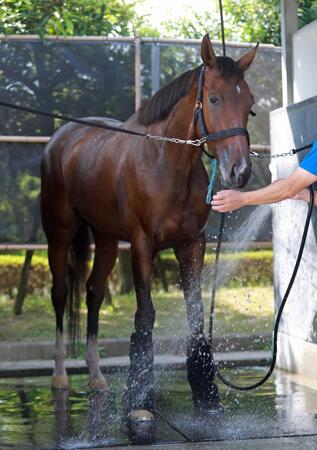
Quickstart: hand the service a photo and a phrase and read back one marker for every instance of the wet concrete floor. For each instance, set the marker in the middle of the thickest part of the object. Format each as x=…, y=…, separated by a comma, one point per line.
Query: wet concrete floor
x=31, y=417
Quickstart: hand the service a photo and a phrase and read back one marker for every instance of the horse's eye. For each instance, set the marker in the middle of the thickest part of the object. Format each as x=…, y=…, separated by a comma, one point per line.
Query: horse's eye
x=213, y=100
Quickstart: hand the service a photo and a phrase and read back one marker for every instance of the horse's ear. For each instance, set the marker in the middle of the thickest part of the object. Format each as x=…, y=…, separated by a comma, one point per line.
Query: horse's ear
x=247, y=59
x=207, y=52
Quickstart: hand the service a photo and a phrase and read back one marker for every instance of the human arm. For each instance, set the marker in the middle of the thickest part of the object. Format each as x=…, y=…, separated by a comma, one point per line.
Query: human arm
x=305, y=195
x=282, y=189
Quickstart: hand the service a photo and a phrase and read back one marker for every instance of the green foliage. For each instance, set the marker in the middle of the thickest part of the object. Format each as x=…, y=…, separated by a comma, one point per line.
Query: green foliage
x=307, y=11
x=253, y=268
x=19, y=193
x=245, y=20
x=252, y=21
x=194, y=26
x=249, y=269
x=67, y=18
x=10, y=271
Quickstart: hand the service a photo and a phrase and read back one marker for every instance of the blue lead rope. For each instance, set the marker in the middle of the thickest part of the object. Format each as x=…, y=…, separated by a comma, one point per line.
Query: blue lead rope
x=212, y=178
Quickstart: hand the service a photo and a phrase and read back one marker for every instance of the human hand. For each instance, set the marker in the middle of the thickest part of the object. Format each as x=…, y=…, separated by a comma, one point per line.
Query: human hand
x=302, y=195
x=227, y=200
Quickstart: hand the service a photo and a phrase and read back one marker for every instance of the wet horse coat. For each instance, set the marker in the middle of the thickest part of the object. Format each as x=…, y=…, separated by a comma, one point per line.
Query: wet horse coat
x=151, y=194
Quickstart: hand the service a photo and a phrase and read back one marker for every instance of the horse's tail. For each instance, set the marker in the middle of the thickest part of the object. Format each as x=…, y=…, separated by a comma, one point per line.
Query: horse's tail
x=78, y=265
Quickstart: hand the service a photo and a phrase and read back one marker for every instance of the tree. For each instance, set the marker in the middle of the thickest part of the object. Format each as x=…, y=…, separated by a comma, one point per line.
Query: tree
x=67, y=18
x=252, y=21
x=245, y=20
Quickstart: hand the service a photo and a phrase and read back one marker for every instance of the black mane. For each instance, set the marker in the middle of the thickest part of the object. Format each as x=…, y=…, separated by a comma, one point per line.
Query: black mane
x=159, y=106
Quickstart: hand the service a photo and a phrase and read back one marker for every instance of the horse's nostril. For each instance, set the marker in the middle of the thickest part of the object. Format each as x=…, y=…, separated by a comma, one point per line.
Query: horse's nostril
x=234, y=172
x=239, y=174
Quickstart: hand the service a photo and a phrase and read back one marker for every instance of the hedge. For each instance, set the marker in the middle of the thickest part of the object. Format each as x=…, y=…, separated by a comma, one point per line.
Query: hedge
x=250, y=269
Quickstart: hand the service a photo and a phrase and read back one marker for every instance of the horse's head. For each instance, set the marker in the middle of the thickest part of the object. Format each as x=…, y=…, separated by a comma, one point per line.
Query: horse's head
x=226, y=103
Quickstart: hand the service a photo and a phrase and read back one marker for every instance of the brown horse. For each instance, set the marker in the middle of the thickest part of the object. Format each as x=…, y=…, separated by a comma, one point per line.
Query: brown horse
x=151, y=194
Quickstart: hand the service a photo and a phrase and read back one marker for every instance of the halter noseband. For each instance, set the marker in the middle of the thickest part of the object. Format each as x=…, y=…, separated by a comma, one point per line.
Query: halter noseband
x=198, y=116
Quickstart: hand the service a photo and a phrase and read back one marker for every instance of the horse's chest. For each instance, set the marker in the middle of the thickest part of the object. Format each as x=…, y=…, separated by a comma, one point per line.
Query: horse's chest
x=179, y=221
x=173, y=229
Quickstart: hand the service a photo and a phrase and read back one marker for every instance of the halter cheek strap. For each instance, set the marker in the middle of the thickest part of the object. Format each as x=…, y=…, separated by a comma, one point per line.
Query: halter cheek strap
x=199, y=117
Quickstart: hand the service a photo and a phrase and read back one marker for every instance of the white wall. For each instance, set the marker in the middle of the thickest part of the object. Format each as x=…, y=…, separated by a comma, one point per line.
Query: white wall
x=305, y=62
x=291, y=127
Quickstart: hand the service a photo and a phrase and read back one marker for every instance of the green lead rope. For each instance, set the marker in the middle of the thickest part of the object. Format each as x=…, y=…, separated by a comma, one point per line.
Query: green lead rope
x=213, y=171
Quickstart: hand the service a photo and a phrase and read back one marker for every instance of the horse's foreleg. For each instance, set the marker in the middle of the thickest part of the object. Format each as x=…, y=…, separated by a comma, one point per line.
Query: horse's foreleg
x=57, y=255
x=191, y=258
x=105, y=257
x=200, y=367
x=140, y=380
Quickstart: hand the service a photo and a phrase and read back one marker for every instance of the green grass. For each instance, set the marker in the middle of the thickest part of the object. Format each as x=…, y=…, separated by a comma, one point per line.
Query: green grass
x=238, y=310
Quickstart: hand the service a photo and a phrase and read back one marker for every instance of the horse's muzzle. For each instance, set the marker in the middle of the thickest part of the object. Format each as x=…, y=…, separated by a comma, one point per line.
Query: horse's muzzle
x=238, y=175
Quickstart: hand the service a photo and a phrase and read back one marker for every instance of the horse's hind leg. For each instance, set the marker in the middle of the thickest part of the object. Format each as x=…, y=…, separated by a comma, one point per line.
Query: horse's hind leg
x=200, y=367
x=105, y=257
x=60, y=224
x=58, y=260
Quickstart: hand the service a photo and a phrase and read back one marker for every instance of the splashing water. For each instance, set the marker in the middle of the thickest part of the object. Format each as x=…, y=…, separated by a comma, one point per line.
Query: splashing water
x=240, y=241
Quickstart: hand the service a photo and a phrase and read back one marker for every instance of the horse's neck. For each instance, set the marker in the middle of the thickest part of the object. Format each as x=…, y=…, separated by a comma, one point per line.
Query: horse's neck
x=172, y=158
x=180, y=124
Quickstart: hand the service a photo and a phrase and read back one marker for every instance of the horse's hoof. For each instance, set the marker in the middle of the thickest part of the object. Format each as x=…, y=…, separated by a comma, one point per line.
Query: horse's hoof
x=141, y=426
x=60, y=382
x=209, y=407
x=140, y=415
x=99, y=385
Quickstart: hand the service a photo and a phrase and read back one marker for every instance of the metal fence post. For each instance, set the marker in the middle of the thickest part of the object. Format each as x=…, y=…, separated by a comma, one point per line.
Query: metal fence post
x=137, y=71
x=155, y=67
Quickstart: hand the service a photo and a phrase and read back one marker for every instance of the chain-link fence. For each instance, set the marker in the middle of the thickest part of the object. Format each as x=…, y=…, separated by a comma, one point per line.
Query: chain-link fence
x=99, y=77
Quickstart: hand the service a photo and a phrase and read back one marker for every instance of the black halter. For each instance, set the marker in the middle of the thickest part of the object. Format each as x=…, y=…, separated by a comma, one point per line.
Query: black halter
x=198, y=116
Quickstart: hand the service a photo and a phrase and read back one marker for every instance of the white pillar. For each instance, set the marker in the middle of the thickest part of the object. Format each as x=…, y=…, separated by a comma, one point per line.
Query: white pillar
x=289, y=25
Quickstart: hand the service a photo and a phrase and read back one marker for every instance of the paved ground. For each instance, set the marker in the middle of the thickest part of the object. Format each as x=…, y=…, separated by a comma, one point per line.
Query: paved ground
x=285, y=443
x=280, y=415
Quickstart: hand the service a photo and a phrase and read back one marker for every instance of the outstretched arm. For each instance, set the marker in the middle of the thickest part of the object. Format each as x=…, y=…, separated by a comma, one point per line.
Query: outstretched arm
x=305, y=195
x=282, y=189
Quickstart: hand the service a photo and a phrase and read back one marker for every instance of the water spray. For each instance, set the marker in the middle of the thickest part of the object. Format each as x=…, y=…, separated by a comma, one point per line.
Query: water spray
x=290, y=284
x=280, y=310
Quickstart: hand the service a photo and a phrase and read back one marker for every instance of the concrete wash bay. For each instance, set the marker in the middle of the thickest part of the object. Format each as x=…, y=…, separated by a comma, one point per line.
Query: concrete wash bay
x=282, y=414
